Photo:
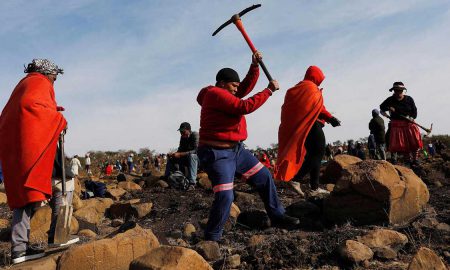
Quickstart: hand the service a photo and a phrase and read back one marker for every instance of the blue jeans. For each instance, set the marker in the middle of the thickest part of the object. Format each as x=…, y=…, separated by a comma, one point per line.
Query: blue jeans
x=221, y=166
x=189, y=162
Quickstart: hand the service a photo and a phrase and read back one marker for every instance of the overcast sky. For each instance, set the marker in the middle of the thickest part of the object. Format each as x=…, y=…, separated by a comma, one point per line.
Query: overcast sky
x=133, y=69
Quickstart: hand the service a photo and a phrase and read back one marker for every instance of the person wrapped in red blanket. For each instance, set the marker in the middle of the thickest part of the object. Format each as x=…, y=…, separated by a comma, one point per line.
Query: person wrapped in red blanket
x=30, y=125
x=301, y=141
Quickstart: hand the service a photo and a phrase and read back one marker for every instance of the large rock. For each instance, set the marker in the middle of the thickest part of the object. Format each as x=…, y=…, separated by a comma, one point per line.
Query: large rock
x=129, y=186
x=244, y=199
x=115, y=193
x=129, y=209
x=40, y=224
x=382, y=193
x=426, y=259
x=46, y=263
x=3, y=198
x=77, y=203
x=355, y=252
x=385, y=243
x=333, y=171
x=170, y=258
x=115, y=253
x=92, y=213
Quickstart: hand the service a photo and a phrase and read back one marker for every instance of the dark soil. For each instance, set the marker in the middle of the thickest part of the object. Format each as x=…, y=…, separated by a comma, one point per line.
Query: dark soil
x=311, y=247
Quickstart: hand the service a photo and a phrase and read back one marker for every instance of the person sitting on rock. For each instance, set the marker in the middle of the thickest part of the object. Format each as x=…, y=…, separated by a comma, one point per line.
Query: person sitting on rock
x=301, y=141
x=185, y=158
x=30, y=125
x=404, y=136
x=222, y=153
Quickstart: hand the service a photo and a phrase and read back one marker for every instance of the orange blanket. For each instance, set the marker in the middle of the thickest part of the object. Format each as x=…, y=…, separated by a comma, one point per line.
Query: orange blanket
x=302, y=106
x=29, y=130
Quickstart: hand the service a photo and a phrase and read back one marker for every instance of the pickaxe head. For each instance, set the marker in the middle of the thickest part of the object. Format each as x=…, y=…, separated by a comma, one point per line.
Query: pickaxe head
x=235, y=18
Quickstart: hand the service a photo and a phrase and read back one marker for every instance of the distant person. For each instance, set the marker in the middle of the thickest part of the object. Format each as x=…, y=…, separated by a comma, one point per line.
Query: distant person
x=185, y=159
x=118, y=165
x=328, y=152
x=360, y=151
x=222, y=153
x=146, y=163
x=75, y=164
x=301, y=140
x=372, y=147
x=351, y=148
x=339, y=151
x=431, y=149
x=439, y=146
x=377, y=129
x=87, y=164
x=404, y=136
x=130, y=163
x=30, y=125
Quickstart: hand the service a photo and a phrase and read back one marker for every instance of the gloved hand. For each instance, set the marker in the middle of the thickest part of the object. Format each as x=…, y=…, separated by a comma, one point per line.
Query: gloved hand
x=60, y=108
x=334, y=122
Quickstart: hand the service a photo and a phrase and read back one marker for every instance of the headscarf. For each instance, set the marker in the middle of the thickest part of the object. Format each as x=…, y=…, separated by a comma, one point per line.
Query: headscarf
x=43, y=66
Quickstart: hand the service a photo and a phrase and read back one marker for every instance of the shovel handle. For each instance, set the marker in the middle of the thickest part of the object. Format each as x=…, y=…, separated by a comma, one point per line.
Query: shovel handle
x=63, y=167
x=241, y=29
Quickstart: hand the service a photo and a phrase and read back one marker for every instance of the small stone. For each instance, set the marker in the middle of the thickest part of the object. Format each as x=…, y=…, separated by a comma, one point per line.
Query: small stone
x=330, y=187
x=233, y=261
x=438, y=184
x=189, y=229
x=443, y=227
x=209, y=250
x=385, y=253
x=3, y=198
x=162, y=183
x=355, y=252
x=234, y=211
x=256, y=240
x=129, y=186
x=87, y=233
x=180, y=242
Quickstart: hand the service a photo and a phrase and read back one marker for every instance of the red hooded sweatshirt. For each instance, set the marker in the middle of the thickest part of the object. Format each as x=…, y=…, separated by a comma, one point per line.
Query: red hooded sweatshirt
x=222, y=115
x=303, y=105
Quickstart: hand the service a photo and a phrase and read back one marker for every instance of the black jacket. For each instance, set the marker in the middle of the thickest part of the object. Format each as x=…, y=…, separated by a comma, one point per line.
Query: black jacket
x=405, y=107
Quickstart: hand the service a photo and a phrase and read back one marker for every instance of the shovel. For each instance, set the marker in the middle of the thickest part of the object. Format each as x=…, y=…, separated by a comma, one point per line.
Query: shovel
x=62, y=228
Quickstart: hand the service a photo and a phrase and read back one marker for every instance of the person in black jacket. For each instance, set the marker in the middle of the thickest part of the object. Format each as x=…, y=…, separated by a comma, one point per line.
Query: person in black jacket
x=404, y=136
x=377, y=129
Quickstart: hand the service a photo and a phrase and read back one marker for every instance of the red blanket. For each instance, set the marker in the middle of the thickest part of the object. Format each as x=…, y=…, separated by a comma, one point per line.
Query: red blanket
x=29, y=130
x=302, y=106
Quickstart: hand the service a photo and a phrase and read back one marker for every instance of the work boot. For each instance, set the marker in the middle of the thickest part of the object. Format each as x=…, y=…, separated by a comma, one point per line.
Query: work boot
x=27, y=255
x=285, y=221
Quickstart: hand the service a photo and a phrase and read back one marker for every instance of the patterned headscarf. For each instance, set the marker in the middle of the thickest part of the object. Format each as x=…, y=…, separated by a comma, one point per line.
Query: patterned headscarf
x=43, y=66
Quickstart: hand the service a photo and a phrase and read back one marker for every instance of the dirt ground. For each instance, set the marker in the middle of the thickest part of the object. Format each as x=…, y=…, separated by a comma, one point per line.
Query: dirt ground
x=312, y=246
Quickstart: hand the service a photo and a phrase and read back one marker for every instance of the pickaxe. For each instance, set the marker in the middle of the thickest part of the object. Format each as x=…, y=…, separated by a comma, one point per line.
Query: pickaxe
x=236, y=19
x=428, y=130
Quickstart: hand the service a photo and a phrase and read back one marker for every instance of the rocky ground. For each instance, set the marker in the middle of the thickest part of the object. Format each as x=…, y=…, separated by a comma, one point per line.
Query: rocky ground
x=177, y=217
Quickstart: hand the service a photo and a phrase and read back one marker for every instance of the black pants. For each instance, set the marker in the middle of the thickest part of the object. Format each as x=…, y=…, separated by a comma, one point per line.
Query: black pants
x=315, y=149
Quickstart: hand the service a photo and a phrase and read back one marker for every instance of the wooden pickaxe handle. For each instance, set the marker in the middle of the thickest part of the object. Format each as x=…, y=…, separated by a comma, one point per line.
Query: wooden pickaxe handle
x=241, y=29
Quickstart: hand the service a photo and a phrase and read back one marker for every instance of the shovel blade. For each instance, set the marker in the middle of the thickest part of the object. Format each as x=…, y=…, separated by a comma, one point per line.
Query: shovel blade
x=62, y=229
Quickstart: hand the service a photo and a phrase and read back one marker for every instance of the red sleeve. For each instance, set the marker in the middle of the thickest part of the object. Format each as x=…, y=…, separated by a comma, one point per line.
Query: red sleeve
x=228, y=103
x=249, y=82
x=325, y=115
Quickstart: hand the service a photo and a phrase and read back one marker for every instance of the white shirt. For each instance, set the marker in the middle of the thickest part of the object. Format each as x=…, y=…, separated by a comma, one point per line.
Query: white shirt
x=88, y=161
x=74, y=165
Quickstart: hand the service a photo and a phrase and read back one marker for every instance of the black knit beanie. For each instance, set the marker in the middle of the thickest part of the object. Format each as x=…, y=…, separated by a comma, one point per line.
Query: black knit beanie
x=227, y=75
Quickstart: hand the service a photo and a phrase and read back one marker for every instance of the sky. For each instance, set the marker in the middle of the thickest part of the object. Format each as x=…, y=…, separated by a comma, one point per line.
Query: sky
x=133, y=69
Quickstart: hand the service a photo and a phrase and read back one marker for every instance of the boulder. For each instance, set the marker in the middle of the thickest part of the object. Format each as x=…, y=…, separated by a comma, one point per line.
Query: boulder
x=333, y=171
x=129, y=186
x=45, y=263
x=354, y=251
x=244, y=199
x=3, y=198
x=383, y=193
x=77, y=203
x=426, y=259
x=233, y=261
x=40, y=224
x=382, y=238
x=115, y=253
x=203, y=181
x=209, y=250
x=92, y=213
x=115, y=193
x=77, y=184
x=170, y=257
x=129, y=209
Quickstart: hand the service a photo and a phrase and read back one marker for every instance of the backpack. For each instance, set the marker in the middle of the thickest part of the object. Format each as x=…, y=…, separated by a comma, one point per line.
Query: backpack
x=178, y=180
x=98, y=188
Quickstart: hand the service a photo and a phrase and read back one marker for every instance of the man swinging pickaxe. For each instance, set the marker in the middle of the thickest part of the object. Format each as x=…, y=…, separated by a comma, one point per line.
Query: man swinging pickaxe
x=236, y=19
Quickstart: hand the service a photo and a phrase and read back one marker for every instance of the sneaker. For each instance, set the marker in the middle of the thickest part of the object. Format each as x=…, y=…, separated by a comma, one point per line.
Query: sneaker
x=285, y=222
x=319, y=191
x=72, y=240
x=27, y=255
x=191, y=187
x=296, y=188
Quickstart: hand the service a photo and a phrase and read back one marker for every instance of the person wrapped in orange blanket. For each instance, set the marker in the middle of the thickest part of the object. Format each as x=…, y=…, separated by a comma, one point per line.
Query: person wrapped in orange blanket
x=30, y=125
x=301, y=141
